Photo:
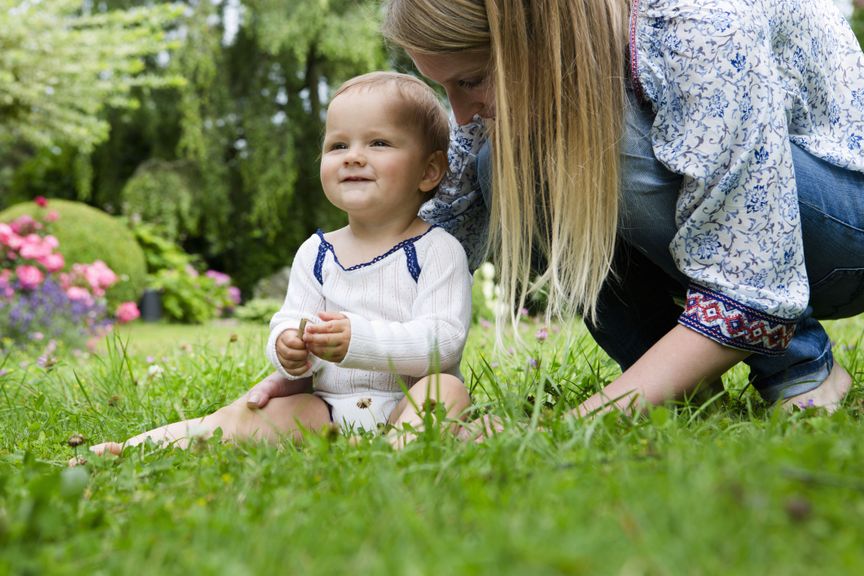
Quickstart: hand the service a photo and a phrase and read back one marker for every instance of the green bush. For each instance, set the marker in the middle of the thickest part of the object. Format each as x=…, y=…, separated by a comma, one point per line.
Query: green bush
x=164, y=193
x=189, y=297
x=857, y=23
x=86, y=235
x=258, y=310
x=160, y=253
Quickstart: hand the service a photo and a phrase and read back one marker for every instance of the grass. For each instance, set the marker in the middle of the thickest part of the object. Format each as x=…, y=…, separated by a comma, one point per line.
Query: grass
x=731, y=487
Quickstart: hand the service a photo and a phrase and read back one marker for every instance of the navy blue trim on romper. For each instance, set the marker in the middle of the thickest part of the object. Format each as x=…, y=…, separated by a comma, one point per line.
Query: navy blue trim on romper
x=406, y=245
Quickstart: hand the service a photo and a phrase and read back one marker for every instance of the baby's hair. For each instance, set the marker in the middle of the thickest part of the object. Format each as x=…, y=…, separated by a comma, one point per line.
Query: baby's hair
x=423, y=109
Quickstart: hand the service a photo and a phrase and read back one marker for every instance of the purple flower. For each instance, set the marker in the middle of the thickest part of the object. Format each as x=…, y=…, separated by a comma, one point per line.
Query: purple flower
x=532, y=362
x=542, y=334
x=485, y=323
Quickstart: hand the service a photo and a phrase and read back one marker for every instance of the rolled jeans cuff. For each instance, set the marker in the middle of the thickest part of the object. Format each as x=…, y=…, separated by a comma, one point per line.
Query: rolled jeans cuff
x=797, y=379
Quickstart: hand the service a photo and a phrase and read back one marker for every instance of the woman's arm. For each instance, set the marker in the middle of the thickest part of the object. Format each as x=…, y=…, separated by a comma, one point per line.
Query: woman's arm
x=676, y=364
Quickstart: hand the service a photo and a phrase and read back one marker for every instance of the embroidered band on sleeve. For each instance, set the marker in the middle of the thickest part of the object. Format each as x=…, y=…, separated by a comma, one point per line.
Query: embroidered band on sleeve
x=411, y=258
x=319, y=260
x=734, y=324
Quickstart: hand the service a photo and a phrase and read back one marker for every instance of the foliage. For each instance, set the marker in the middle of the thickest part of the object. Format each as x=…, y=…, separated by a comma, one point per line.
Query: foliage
x=229, y=163
x=187, y=296
x=679, y=491
x=160, y=193
x=61, y=65
x=258, y=310
x=88, y=235
x=857, y=21
x=190, y=297
x=160, y=253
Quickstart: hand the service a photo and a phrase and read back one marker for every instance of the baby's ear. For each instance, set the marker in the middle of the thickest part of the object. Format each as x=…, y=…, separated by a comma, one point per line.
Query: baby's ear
x=436, y=167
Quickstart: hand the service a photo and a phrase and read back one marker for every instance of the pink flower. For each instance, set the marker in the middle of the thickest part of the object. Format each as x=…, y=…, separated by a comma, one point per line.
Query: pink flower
x=79, y=294
x=41, y=201
x=29, y=276
x=485, y=323
x=541, y=334
x=234, y=294
x=24, y=225
x=524, y=312
x=127, y=312
x=53, y=262
x=6, y=233
x=35, y=248
x=97, y=275
x=52, y=216
x=10, y=238
x=220, y=278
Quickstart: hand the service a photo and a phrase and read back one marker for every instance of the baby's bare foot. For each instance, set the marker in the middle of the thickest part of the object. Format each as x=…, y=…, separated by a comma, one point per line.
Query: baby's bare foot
x=827, y=395
x=107, y=448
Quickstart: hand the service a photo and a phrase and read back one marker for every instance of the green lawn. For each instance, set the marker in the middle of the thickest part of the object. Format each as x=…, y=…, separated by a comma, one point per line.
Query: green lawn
x=729, y=488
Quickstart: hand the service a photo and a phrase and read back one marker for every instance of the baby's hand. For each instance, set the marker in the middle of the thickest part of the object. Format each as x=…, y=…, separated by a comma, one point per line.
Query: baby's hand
x=329, y=339
x=292, y=353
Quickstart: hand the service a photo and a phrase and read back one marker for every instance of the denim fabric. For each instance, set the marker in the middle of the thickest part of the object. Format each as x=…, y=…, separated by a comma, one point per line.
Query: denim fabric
x=640, y=301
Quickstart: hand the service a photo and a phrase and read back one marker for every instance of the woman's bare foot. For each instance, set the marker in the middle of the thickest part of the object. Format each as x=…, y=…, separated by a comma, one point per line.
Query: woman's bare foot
x=827, y=395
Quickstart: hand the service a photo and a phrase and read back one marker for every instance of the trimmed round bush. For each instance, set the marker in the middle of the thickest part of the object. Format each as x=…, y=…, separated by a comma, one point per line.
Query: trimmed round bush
x=86, y=235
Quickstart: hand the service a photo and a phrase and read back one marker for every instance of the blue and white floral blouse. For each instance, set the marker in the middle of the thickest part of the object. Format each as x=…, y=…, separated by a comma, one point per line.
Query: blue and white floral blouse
x=732, y=82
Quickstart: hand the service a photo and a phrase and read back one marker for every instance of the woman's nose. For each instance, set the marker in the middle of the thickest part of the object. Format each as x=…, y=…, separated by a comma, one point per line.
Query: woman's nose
x=464, y=109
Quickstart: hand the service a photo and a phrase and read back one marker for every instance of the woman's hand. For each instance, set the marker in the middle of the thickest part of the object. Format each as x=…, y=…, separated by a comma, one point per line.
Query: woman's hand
x=275, y=386
x=675, y=365
x=329, y=339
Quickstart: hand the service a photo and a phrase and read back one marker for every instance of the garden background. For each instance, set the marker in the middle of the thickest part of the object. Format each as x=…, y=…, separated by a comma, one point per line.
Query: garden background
x=171, y=148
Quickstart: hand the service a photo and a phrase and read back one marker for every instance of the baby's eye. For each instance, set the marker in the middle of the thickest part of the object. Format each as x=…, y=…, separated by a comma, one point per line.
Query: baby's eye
x=380, y=143
x=336, y=146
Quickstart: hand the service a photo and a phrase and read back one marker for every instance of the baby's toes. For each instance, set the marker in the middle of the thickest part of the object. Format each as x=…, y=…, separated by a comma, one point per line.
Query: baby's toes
x=107, y=448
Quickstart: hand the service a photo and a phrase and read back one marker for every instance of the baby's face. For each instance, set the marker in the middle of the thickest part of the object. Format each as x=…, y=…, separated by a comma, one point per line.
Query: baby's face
x=373, y=162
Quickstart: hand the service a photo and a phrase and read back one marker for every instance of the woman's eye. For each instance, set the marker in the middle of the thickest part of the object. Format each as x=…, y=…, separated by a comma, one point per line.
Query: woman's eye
x=470, y=83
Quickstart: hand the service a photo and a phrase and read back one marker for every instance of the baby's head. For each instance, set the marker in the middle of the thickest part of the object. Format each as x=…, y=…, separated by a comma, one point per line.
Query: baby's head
x=385, y=146
x=418, y=104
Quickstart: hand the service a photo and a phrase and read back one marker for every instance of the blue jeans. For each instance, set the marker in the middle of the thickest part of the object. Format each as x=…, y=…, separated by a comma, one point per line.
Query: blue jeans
x=639, y=303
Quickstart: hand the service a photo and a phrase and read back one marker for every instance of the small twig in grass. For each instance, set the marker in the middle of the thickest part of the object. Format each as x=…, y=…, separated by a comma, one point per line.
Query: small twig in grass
x=823, y=478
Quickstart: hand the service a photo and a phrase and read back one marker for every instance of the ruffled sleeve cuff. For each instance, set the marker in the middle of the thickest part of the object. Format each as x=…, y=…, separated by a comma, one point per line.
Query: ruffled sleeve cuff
x=734, y=324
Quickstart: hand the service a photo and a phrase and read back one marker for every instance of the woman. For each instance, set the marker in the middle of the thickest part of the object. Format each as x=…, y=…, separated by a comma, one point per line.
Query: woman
x=655, y=152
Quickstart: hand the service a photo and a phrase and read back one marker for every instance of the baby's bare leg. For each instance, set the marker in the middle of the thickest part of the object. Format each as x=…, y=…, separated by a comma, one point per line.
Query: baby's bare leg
x=282, y=416
x=438, y=389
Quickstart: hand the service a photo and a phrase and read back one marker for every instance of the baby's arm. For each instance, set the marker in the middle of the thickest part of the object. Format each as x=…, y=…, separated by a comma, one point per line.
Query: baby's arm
x=286, y=349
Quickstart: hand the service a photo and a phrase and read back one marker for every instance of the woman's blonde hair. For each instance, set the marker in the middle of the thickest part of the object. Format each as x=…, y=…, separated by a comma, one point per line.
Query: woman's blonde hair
x=558, y=69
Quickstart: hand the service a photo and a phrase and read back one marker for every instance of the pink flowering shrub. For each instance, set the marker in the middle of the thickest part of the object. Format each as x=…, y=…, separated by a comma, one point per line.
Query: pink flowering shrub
x=39, y=297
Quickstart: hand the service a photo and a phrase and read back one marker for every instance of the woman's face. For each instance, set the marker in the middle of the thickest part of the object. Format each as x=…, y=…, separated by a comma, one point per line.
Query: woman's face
x=465, y=78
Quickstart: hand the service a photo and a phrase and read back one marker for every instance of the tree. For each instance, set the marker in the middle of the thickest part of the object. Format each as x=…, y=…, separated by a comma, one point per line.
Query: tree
x=61, y=65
